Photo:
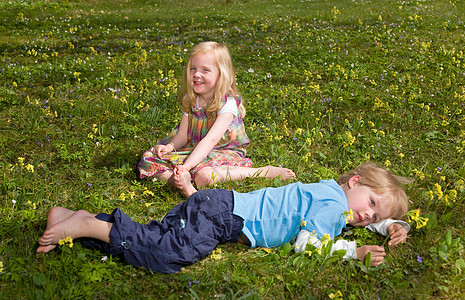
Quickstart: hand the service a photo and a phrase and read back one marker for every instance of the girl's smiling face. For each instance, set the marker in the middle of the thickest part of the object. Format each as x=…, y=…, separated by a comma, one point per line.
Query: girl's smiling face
x=203, y=75
x=367, y=206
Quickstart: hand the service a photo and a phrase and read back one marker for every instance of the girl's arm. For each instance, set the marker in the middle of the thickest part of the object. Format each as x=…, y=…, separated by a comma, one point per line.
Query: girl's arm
x=177, y=142
x=212, y=138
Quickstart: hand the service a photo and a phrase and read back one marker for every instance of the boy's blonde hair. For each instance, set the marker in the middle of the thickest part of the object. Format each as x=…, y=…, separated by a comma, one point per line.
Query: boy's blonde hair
x=382, y=182
x=226, y=79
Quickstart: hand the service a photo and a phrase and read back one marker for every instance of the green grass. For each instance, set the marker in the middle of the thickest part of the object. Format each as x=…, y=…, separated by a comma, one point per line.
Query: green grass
x=86, y=87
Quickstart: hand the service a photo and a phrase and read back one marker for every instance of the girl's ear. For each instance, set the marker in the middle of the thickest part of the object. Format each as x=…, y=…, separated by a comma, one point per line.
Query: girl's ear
x=353, y=181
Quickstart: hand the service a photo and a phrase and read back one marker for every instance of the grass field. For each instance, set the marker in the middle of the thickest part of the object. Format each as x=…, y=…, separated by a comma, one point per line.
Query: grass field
x=87, y=86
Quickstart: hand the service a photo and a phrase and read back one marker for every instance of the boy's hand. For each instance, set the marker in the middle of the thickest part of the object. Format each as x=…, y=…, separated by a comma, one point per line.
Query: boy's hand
x=397, y=234
x=377, y=254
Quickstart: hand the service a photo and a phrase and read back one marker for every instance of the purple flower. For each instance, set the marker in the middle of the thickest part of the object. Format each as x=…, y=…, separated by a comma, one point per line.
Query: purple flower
x=89, y=184
x=419, y=259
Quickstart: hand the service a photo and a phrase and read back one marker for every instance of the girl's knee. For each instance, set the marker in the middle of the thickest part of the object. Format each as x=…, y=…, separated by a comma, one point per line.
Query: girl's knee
x=203, y=178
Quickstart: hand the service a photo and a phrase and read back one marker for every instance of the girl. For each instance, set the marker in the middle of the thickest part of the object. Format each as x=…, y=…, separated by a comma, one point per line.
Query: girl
x=209, y=143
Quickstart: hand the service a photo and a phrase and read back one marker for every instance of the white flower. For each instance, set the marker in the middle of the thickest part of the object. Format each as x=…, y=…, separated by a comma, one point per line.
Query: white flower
x=104, y=258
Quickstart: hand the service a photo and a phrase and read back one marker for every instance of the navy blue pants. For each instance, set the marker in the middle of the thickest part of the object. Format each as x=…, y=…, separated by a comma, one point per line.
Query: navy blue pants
x=189, y=232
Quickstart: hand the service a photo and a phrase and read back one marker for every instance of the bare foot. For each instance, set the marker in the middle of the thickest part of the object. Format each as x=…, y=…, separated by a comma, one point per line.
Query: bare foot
x=273, y=172
x=71, y=226
x=184, y=184
x=55, y=215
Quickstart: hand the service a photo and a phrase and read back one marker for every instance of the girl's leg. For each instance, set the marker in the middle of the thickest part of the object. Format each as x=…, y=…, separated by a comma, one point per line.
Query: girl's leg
x=79, y=224
x=168, y=176
x=210, y=175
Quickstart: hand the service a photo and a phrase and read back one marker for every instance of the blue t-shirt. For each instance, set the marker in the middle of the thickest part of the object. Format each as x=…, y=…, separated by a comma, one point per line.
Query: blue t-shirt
x=274, y=216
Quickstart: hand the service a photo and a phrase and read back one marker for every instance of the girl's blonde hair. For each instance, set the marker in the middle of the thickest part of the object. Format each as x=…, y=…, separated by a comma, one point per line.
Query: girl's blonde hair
x=226, y=79
x=382, y=182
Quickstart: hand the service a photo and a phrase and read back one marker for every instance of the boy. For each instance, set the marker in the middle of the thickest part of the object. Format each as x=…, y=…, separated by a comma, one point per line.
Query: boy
x=268, y=217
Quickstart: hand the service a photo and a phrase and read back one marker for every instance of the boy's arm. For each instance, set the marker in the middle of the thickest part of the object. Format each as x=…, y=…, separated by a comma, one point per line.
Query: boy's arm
x=396, y=229
x=381, y=227
x=306, y=236
x=352, y=252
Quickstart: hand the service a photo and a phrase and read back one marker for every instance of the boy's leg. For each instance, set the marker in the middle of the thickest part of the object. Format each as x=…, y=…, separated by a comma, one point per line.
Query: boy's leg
x=79, y=224
x=55, y=215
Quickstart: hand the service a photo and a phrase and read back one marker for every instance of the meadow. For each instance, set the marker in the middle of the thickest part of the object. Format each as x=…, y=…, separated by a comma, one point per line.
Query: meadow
x=87, y=86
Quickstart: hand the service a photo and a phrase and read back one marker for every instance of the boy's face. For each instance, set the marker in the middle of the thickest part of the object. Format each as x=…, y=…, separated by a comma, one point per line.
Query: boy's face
x=367, y=206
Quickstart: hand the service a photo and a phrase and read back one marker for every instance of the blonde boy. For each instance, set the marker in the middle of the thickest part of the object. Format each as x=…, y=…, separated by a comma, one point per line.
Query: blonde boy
x=267, y=217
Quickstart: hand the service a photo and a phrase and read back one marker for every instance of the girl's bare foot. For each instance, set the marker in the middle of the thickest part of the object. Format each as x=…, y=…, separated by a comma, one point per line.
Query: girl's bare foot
x=55, y=215
x=72, y=226
x=273, y=172
x=184, y=184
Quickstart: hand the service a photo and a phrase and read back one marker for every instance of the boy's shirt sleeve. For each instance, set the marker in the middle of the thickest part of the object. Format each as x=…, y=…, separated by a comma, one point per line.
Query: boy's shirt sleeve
x=306, y=237
x=382, y=226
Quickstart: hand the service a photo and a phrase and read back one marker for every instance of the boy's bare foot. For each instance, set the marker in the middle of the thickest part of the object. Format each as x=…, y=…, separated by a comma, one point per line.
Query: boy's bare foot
x=72, y=226
x=55, y=215
x=184, y=184
x=273, y=172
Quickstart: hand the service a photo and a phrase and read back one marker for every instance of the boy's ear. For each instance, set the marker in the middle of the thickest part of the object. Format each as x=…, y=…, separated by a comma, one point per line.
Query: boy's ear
x=353, y=181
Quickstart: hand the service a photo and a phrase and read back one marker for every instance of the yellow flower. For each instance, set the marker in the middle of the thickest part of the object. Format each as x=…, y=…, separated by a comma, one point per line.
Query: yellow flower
x=20, y=160
x=303, y=223
x=216, y=254
x=414, y=216
x=348, y=215
x=309, y=253
x=30, y=168
x=387, y=163
x=1, y=266
x=325, y=239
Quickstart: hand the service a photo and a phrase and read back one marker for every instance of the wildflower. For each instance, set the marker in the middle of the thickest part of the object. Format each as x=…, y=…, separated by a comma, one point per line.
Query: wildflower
x=303, y=223
x=104, y=258
x=21, y=160
x=438, y=191
x=414, y=216
x=147, y=192
x=308, y=252
x=337, y=295
x=401, y=155
x=1, y=266
x=348, y=215
x=89, y=184
x=419, y=259
x=216, y=254
x=325, y=239
x=387, y=163
x=122, y=196
x=213, y=176
x=13, y=201
x=67, y=240
x=430, y=195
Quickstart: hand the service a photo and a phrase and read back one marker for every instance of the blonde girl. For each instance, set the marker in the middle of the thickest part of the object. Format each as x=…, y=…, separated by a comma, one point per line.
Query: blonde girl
x=209, y=144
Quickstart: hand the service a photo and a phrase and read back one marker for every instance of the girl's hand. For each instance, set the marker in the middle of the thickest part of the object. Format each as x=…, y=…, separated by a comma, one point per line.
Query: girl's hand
x=179, y=169
x=397, y=234
x=161, y=150
x=377, y=254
